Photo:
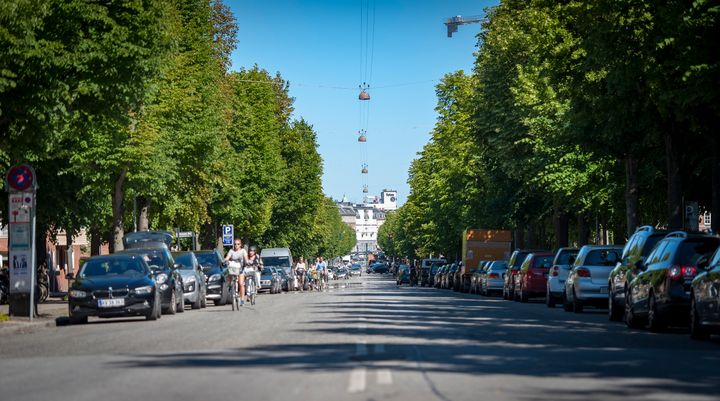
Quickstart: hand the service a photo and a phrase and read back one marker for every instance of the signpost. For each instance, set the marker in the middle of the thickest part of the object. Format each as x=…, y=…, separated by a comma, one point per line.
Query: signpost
x=228, y=234
x=22, y=187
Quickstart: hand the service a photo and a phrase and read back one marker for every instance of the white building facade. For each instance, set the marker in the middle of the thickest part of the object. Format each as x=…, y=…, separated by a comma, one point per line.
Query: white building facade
x=369, y=216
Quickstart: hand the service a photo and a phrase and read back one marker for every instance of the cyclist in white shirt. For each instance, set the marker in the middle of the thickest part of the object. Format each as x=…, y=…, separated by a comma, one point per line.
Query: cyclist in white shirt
x=237, y=258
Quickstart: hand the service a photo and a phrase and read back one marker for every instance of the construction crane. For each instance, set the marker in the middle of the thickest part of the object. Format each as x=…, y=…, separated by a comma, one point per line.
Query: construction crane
x=452, y=23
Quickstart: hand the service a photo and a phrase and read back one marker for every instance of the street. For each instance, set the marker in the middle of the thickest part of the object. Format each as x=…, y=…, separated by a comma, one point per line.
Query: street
x=363, y=339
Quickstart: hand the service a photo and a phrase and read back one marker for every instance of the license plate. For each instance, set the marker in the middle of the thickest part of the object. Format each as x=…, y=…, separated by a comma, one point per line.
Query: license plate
x=603, y=290
x=111, y=303
x=265, y=282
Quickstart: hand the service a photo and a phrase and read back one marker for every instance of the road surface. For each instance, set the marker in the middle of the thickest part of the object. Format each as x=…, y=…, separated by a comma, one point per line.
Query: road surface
x=364, y=339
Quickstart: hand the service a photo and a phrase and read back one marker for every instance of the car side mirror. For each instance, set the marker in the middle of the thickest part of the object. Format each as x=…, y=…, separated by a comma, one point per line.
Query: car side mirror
x=177, y=266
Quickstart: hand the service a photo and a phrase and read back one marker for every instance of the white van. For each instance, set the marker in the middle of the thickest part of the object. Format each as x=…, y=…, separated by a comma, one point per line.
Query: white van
x=277, y=257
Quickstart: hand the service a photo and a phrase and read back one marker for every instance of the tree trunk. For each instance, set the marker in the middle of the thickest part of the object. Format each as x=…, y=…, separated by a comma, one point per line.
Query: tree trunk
x=144, y=213
x=519, y=238
x=715, y=186
x=118, y=212
x=583, y=230
x=562, y=224
x=96, y=241
x=531, y=237
x=632, y=194
x=674, y=181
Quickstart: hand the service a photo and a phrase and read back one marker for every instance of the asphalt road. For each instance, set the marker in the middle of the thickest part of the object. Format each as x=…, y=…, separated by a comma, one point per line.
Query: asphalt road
x=364, y=339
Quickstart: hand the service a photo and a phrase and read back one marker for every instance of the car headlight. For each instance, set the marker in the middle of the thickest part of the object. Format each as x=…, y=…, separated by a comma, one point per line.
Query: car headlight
x=78, y=294
x=161, y=278
x=143, y=290
x=190, y=280
x=215, y=277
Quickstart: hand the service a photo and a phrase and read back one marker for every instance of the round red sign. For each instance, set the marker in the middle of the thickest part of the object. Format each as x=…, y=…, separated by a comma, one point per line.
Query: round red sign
x=20, y=178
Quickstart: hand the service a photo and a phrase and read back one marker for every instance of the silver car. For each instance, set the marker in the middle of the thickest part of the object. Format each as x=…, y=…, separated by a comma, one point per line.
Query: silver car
x=494, y=278
x=587, y=282
x=194, y=280
x=564, y=259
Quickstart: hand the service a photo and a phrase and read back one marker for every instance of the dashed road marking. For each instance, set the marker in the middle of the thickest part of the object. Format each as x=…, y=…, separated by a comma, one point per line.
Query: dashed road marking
x=358, y=380
x=384, y=376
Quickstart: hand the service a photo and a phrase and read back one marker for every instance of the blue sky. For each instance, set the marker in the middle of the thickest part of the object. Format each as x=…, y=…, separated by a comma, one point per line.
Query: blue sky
x=315, y=45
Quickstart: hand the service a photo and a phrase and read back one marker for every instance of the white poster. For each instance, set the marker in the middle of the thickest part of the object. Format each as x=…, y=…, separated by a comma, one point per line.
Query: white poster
x=20, y=271
x=20, y=207
x=20, y=237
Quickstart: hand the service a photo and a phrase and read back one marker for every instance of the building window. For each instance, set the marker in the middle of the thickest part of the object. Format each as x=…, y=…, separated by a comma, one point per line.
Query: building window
x=707, y=219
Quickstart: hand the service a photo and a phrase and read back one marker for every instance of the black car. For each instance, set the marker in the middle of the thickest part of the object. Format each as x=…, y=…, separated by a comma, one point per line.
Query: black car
x=380, y=268
x=166, y=275
x=637, y=248
x=270, y=280
x=705, y=299
x=660, y=294
x=114, y=286
x=215, y=270
x=516, y=260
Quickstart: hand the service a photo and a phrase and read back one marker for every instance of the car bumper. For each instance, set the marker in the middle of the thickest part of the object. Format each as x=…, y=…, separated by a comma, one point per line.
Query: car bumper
x=588, y=291
x=556, y=285
x=493, y=284
x=165, y=295
x=214, y=290
x=133, y=306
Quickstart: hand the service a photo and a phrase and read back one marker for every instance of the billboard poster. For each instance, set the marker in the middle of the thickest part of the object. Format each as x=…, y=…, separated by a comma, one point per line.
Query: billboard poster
x=20, y=271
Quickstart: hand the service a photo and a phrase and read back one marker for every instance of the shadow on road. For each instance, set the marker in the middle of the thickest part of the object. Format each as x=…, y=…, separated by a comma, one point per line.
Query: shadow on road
x=427, y=331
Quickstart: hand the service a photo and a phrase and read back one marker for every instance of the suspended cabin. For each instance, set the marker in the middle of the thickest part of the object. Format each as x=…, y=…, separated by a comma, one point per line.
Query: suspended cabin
x=364, y=170
x=364, y=95
x=365, y=189
x=362, y=138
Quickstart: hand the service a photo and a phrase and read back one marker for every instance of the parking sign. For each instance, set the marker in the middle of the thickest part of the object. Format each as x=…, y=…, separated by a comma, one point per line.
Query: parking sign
x=228, y=234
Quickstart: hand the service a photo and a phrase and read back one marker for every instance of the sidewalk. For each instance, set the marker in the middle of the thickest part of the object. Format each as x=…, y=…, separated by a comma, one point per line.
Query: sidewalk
x=49, y=311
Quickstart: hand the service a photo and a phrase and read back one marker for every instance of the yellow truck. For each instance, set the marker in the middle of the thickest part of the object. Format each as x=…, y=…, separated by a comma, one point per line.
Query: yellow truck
x=480, y=244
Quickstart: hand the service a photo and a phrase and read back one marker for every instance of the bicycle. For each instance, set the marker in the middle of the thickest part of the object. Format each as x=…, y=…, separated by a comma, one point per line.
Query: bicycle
x=235, y=292
x=250, y=287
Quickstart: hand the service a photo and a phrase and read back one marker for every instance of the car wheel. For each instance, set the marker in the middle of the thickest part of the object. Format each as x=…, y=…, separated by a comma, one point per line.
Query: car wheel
x=181, y=303
x=172, y=309
x=614, y=313
x=577, y=305
x=631, y=320
x=654, y=319
x=198, y=301
x=203, y=304
x=549, y=299
x=697, y=330
x=154, y=313
x=566, y=304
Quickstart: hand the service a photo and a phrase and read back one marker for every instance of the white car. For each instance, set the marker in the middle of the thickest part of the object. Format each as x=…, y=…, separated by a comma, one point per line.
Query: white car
x=587, y=282
x=562, y=264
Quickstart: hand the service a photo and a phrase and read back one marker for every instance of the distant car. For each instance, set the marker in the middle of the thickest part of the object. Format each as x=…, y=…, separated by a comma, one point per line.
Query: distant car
x=356, y=270
x=564, y=258
x=660, y=295
x=516, y=259
x=586, y=283
x=380, y=268
x=533, y=274
x=705, y=299
x=494, y=278
x=476, y=275
x=114, y=286
x=341, y=273
x=194, y=284
x=426, y=270
x=437, y=280
x=434, y=268
x=270, y=280
x=286, y=283
x=164, y=270
x=638, y=247
x=403, y=274
x=449, y=276
x=214, y=268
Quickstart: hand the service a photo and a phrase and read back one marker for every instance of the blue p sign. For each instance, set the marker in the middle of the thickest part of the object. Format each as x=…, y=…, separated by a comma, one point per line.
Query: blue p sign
x=228, y=234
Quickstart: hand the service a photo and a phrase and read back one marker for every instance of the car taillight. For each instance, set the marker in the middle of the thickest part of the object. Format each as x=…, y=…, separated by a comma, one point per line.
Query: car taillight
x=583, y=272
x=493, y=275
x=675, y=272
x=555, y=271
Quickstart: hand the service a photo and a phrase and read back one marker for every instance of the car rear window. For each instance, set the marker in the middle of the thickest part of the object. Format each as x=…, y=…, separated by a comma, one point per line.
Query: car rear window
x=691, y=250
x=113, y=267
x=602, y=257
x=650, y=243
x=564, y=257
x=519, y=259
x=207, y=259
x=542, y=262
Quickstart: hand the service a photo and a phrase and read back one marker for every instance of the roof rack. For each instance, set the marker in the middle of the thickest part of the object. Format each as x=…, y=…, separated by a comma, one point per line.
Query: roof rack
x=677, y=234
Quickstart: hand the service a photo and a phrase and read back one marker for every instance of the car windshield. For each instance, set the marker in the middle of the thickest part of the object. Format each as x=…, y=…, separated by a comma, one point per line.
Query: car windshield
x=185, y=261
x=542, y=262
x=207, y=259
x=276, y=261
x=519, y=259
x=602, y=257
x=498, y=266
x=113, y=267
x=355, y=267
x=564, y=257
x=691, y=250
x=154, y=258
x=650, y=243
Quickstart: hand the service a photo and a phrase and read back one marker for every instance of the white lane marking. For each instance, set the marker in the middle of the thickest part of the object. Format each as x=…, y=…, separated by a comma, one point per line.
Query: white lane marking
x=379, y=348
x=361, y=348
x=358, y=380
x=384, y=376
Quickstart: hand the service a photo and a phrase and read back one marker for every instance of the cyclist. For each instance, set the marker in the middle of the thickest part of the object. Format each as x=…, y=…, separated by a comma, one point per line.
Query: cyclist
x=321, y=268
x=300, y=273
x=253, y=266
x=237, y=257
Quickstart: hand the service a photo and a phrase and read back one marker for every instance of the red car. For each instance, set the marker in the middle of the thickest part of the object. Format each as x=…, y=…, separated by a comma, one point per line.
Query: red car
x=533, y=275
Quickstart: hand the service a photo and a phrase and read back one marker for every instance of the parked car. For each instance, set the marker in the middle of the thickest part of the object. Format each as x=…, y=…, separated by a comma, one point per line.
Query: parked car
x=437, y=280
x=434, y=269
x=341, y=273
x=586, y=283
x=516, y=259
x=166, y=274
x=476, y=276
x=194, y=284
x=564, y=258
x=705, y=299
x=214, y=268
x=637, y=248
x=286, y=283
x=270, y=280
x=457, y=278
x=494, y=278
x=380, y=268
x=426, y=270
x=114, y=286
x=403, y=275
x=281, y=259
x=660, y=294
x=532, y=277
x=449, y=275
